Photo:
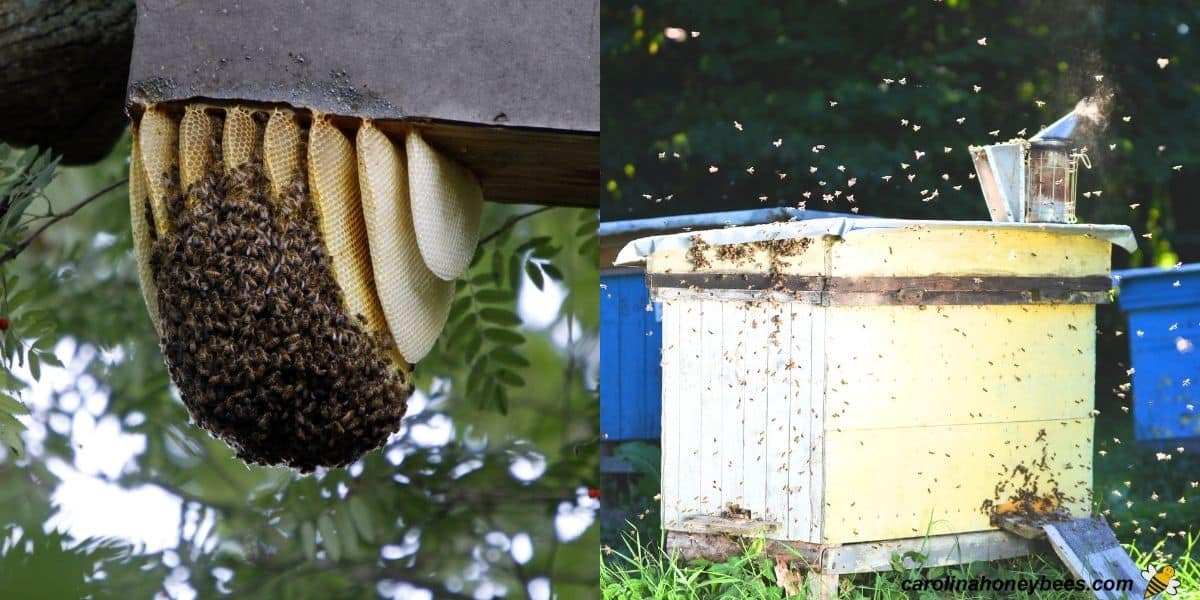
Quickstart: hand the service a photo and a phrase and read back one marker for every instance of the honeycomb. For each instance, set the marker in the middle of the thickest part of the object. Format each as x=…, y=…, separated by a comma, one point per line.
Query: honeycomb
x=282, y=266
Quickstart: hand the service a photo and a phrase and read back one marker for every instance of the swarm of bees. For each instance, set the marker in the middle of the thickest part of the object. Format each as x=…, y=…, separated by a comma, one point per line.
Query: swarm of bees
x=294, y=276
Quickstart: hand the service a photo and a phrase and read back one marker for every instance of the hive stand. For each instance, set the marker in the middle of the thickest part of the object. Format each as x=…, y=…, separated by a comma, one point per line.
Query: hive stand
x=1087, y=547
x=821, y=565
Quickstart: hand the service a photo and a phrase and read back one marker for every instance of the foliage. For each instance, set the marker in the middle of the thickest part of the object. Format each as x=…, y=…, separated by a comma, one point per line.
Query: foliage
x=778, y=68
x=465, y=501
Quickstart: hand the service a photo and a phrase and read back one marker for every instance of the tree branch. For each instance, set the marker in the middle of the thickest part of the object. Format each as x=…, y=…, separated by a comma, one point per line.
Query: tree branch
x=513, y=220
x=52, y=219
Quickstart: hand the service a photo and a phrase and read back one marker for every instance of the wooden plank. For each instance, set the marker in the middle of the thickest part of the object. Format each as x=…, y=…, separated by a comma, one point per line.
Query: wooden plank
x=672, y=416
x=718, y=547
x=995, y=364
x=532, y=138
x=970, y=251
x=756, y=373
x=1091, y=551
x=688, y=400
x=745, y=280
x=743, y=295
x=822, y=586
x=938, y=551
x=712, y=390
x=917, y=297
x=778, y=447
x=916, y=291
x=731, y=406
x=744, y=527
x=814, y=492
x=967, y=283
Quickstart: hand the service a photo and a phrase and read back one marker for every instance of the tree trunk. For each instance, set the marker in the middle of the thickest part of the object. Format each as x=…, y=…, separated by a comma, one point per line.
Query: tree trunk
x=63, y=71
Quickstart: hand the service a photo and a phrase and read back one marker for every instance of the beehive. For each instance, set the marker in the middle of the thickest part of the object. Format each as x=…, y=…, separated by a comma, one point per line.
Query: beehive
x=1164, y=327
x=836, y=381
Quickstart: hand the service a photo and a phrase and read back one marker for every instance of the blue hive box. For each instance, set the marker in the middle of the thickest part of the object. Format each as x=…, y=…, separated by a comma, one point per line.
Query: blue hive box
x=1163, y=306
x=630, y=327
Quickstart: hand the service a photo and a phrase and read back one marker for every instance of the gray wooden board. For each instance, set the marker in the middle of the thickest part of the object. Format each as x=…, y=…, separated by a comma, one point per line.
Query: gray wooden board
x=509, y=89
x=533, y=63
x=938, y=550
x=1091, y=551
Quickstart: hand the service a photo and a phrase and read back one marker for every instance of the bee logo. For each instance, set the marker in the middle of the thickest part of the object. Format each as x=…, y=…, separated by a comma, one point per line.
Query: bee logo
x=1158, y=582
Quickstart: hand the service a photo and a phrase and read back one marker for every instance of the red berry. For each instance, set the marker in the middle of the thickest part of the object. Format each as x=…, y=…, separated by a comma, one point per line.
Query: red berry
x=3, y=324
x=593, y=493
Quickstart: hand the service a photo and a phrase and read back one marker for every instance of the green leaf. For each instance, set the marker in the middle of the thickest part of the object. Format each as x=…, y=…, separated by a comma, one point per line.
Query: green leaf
x=459, y=307
x=472, y=343
x=361, y=514
x=308, y=538
x=502, y=400
x=506, y=356
x=535, y=274
x=329, y=537
x=12, y=406
x=504, y=336
x=514, y=272
x=19, y=299
x=510, y=378
x=10, y=383
x=35, y=366
x=499, y=316
x=10, y=435
x=495, y=296
x=497, y=267
x=552, y=271
x=347, y=538
x=531, y=243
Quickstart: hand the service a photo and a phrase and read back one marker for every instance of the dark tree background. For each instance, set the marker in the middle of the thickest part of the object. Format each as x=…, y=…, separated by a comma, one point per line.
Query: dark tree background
x=776, y=67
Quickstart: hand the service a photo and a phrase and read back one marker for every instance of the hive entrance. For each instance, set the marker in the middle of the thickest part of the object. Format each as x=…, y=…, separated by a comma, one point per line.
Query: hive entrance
x=256, y=252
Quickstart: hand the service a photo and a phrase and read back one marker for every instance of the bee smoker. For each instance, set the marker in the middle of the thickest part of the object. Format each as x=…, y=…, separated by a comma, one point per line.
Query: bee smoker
x=1034, y=180
x=1050, y=169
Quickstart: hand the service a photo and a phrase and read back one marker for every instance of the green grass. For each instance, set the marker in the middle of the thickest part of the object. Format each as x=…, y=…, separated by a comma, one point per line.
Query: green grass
x=638, y=571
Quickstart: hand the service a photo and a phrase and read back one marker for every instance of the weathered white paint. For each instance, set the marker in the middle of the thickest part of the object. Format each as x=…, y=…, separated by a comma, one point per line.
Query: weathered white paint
x=835, y=422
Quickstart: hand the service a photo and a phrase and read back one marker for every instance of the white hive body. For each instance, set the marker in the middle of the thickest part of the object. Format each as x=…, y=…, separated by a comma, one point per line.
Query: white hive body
x=447, y=203
x=842, y=382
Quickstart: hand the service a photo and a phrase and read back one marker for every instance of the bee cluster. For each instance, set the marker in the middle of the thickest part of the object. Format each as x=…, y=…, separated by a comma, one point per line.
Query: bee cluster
x=254, y=328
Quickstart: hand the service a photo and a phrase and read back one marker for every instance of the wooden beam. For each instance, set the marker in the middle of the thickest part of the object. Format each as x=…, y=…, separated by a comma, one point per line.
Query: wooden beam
x=1091, y=551
x=937, y=550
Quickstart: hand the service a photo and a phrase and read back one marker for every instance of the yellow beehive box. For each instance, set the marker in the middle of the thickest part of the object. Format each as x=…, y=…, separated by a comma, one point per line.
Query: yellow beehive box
x=838, y=381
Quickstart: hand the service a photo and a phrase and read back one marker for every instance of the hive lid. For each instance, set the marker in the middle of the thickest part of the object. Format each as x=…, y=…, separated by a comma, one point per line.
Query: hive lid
x=638, y=250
